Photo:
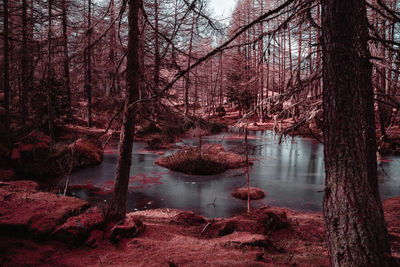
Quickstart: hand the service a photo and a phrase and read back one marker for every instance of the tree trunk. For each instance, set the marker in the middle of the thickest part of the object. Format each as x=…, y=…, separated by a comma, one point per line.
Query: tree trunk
x=50, y=78
x=24, y=64
x=6, y=74
x=118, y=203
x=187, y=81
x=261, y=66
x=88, y=56
x=112, y=45
x=195, y=91
x=66, y=78
x=221, y=80
x=355, y=226
x=156, y=49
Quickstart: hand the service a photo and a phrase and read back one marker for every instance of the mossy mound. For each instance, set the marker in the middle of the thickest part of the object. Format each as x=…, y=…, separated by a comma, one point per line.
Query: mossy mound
x=87, y=153
x=212, y=159
x=254, y=193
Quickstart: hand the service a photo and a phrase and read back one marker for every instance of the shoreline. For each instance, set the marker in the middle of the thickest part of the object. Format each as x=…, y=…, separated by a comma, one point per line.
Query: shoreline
x=170, y=236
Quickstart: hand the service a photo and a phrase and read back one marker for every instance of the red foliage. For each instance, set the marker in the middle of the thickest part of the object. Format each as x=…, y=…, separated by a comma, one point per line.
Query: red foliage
x=141, y=180
x=34, y=142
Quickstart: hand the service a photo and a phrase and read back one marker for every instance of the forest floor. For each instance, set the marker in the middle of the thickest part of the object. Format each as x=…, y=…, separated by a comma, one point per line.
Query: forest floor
x=265, y=237
x=43, y=229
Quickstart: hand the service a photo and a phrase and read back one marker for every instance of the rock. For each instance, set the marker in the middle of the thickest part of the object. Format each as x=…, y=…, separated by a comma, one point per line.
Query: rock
x=129, y=228
x=24, y=210
x=76, y=229
x=86, y=153
x=188, y=218
x=254, y=193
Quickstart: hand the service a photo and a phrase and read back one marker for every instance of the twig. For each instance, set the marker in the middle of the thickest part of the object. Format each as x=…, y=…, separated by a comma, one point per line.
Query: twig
x=205, y=227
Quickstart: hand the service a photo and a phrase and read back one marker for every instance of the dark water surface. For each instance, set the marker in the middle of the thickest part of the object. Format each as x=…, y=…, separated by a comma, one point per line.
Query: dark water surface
x=291, y=174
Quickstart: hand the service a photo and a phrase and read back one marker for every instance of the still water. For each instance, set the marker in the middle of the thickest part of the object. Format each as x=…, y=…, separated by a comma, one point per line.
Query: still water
x=291, y=174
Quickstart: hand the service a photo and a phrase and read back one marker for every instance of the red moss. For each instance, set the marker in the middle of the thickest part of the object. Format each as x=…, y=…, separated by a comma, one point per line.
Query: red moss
x=212, y=160
x=34, y=142
x=254, y=193
x=86, y=153
x=77, y=228
x=37, y=213
x=264, y=237
x=140, y=180
x=188, y=218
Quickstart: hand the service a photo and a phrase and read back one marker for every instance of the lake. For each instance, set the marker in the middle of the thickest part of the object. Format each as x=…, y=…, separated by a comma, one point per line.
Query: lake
x=290, y=173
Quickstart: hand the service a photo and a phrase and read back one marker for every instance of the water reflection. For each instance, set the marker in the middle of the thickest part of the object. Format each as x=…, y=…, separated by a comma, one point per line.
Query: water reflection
x=291, y=174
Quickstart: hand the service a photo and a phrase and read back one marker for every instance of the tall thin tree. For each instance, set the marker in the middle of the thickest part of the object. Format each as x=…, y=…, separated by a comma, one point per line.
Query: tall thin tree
x=6, y=71
x=66, y=76
x=118, y=203
x=50, y=112
x=88, y=64
x=24, y=63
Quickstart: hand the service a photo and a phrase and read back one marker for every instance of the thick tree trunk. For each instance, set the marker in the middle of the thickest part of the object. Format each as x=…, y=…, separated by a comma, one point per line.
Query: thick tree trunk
x=118, y=202
x=355, y=226
x=6, y=62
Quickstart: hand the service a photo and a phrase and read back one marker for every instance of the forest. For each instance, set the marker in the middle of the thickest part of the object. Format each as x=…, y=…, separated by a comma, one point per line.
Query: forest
x=161, y=133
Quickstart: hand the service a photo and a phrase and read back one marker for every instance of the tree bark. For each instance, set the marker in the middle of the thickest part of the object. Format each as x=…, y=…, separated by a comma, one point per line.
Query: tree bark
x=6, y=74
x=88, y=61
x=118, y=203
x=50, y=78
x=187, y=81
x=355, y=226
x=221, y=80
x=24, y=64
x=112, y=45
x=156, y=49
x=66, y=78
